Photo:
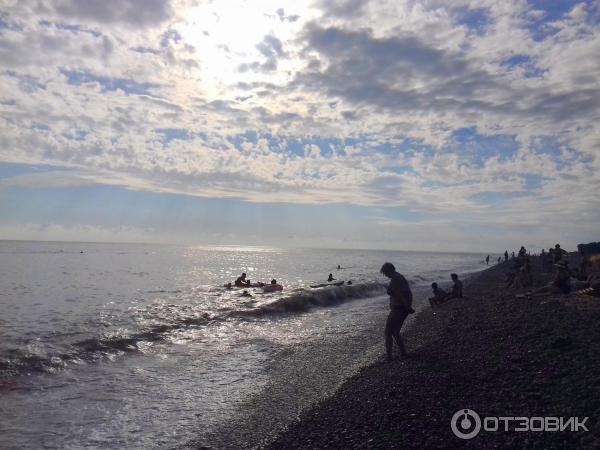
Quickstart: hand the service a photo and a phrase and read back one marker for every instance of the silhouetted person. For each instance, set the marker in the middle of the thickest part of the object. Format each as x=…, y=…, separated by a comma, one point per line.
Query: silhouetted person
x=241, y=280
x=522, y=252
x=505, y=255
x=400, y=307
x=339, y=267
x=457, y=287
x=487, y=260
x=438, y=295
x=273, y=286
x=561, y=284
x=558, y=253
x=543, y=261
x=330, y=278
x=512, y=255
x=499, y=259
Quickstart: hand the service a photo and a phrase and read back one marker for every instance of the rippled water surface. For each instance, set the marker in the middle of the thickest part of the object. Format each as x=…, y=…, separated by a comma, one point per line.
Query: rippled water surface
x=113, y=345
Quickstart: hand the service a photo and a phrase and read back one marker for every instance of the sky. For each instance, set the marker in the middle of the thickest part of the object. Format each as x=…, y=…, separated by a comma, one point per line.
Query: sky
x=401, y=124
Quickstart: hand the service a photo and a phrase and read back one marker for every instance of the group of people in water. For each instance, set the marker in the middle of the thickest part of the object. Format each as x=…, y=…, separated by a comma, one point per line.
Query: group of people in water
x=242, y=281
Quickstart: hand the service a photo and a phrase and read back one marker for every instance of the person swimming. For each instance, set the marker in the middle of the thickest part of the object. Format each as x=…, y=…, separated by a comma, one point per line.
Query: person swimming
x=241, y=280
x=273, y=286
x=330, y=278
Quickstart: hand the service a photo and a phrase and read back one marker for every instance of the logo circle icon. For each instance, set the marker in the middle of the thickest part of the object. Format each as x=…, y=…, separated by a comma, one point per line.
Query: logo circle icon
x=465, y=424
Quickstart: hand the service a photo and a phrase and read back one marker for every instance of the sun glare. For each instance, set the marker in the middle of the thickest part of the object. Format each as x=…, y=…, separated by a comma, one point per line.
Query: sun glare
x=226, y=36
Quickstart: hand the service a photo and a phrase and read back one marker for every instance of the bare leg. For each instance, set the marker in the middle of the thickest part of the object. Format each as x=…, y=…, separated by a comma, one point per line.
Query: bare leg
x=400, y=343
x=388, y=346
x=389, y=326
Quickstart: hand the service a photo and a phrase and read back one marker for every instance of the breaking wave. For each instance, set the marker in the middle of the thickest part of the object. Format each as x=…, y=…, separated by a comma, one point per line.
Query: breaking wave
x=304, y=300
x=16, y=362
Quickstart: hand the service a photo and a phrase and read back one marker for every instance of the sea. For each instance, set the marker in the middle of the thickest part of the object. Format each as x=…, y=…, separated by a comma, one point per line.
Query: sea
x=110, y=345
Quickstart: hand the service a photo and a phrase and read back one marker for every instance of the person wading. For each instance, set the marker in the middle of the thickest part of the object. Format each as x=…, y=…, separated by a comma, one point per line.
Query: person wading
x=400, y=307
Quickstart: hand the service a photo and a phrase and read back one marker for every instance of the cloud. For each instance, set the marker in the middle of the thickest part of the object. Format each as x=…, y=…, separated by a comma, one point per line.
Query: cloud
x=422, y=106
x=131, y=12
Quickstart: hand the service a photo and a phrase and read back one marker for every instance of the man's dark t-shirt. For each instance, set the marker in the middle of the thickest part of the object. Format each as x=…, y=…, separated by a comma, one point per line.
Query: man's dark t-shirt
x=457, y=289
x=399, y=292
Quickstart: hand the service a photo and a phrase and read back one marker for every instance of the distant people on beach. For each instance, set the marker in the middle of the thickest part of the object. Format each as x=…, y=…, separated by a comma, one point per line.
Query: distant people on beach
x=522, y=252
x=499, y=259
x=487, y=260
x=439, y=295
x=505, y=255
x=558, y=253
x=512, y=255
x=400, y=307
x=519, y=274
x=330, y=278
x=543, y=261
x=561, y=283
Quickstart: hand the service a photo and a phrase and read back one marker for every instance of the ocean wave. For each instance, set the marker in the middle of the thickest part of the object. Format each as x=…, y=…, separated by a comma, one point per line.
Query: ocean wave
x=304, y=300
x=17, y=362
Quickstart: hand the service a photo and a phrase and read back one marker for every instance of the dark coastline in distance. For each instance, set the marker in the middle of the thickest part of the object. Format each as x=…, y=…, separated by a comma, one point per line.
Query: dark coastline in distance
x=491, y=352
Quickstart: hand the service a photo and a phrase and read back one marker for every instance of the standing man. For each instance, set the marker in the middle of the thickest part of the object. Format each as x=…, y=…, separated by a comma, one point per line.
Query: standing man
x=543, y=261
x=505, y=255
x=400, y=307
x=487, y=260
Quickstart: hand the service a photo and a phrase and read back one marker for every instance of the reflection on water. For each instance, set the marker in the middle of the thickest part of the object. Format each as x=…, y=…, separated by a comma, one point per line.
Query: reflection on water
x=142, y=346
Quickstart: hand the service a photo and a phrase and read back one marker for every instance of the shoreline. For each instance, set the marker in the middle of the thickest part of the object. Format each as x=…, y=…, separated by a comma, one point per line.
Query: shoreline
x=491, y=352
x=311, y=373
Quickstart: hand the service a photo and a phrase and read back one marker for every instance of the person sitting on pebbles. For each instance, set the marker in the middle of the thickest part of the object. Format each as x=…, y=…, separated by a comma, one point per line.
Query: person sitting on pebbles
x=592, y=279
x=439, y=295
x=457, y=288
x=561, y=284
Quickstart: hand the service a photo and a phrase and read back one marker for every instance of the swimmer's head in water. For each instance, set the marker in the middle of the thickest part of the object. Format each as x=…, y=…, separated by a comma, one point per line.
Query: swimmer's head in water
x=454, y=276
x=273, y=281
x=388, y=269
x=434, y=285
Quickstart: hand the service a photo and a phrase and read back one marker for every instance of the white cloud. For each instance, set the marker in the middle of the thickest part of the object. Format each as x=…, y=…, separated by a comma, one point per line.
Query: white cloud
x=86, y=85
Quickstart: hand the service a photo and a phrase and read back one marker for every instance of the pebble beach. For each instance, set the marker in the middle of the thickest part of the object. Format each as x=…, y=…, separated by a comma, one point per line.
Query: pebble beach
x=496, y=352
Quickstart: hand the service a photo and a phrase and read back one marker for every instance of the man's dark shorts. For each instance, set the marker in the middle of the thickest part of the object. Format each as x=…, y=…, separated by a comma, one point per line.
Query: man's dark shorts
x=395, y=320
